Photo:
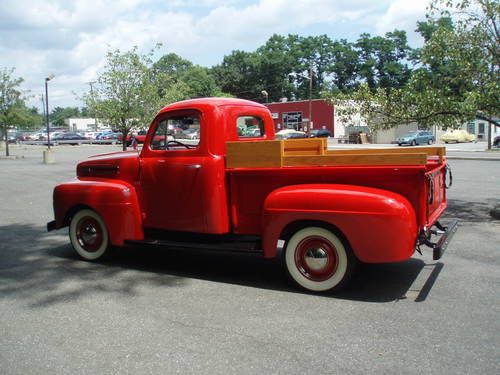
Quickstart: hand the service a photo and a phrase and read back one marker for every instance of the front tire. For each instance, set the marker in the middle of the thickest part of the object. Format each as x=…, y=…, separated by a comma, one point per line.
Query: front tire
x=413, y=143
x=88, y=235
x=317, y=260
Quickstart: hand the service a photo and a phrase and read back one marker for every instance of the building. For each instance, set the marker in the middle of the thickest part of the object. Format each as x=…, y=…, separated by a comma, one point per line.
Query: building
x=296, y=115
x=480, y=129
x=84, y=124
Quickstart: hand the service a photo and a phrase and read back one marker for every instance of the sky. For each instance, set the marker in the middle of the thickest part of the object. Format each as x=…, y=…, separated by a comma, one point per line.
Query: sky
x=70, y=38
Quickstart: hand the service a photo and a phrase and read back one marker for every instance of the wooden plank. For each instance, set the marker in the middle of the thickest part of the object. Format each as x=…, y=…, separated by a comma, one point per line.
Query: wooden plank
x=263, y=154
x=306, y=146
x=430, y=151
x=356, y=159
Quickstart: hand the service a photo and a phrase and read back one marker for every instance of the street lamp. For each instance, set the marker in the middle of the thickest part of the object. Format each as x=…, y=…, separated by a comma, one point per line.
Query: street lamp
x=310, y=78
x=91, y=83
x=47, y=108
x=48, y=157
x=266, y=94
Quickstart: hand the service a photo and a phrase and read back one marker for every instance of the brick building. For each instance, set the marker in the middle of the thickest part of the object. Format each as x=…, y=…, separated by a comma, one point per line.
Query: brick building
x=295, y=115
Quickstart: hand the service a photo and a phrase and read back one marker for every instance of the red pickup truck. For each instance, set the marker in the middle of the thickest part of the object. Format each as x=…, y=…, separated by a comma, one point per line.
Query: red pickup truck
x=244, y=191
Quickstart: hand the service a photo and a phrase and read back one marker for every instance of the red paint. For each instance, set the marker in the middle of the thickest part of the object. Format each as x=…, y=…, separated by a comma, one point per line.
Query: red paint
x=322, y=113
x=378, y=209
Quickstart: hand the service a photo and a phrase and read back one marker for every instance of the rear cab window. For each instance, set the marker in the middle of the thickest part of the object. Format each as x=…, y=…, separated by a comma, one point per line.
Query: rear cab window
x=250, y=127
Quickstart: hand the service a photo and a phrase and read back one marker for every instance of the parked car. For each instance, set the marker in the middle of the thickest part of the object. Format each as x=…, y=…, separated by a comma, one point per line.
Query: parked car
x=289, y=134
x=457, y=136
x=496, y=141
x=69, y=138
x=320, y=133
x=417, y=137
x=190, y=133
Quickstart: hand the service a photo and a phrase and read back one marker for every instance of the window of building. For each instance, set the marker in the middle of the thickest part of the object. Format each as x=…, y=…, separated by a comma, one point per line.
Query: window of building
x=471, y=128
x=292, y=120
x=250, y=127
x=480, y=131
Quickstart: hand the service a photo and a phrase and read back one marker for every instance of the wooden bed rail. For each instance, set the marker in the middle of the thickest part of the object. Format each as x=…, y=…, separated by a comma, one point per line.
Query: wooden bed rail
x=313, y=152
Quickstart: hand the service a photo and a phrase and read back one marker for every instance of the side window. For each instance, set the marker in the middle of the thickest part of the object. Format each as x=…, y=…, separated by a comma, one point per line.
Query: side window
x=250, y=127
x=177, y=133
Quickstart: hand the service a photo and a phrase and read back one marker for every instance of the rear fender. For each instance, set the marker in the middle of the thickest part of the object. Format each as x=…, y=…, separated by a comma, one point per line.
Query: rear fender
x=379, y=225
x=115, y=201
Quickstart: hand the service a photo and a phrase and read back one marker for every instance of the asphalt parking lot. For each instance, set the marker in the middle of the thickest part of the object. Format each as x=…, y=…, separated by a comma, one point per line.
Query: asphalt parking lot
x=147, y=311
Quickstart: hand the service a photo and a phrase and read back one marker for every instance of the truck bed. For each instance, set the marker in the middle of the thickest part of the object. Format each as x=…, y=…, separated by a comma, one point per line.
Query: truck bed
x=257, y=168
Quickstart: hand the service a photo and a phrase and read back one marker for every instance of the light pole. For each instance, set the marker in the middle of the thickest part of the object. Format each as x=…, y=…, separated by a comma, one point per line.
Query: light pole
x=95, y=111
x=48, y=158
x=47, y=108
x=310, y=78
x=266, y=94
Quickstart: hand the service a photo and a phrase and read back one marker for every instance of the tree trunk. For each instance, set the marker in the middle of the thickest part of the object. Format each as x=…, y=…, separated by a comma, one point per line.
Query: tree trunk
x=6, y=139
x=489, y=135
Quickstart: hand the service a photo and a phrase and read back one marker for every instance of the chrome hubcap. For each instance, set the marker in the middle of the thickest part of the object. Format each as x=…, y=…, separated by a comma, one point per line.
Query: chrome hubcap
x=316, y=259
x=89, y=234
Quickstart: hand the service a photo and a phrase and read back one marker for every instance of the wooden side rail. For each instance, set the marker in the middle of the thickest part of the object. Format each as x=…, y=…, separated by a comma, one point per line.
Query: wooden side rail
x=438, y=151
x=263, y=154
x=311, y=146
x=355, y=159
x=313, y=152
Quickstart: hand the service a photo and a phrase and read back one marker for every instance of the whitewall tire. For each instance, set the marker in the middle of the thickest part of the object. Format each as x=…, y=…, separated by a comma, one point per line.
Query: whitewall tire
x=317, y=260
x=88, y=235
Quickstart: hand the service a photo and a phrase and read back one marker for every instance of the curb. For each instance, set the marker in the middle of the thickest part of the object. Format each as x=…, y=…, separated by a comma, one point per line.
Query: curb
x=449, y=157
x=495, y=212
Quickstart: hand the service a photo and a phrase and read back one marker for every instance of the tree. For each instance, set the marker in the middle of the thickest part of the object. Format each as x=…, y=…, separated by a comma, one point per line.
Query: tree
x=456, y=76
x=344, y=66
x=383, y=60
x=59, y=114
x=239, y=75
x=181, y=79
x=125, y=94
x=10, y=102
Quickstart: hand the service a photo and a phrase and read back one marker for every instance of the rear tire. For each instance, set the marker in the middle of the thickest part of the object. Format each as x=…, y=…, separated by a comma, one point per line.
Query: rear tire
x=317, y=260
x=413, y=143
x=88, y=235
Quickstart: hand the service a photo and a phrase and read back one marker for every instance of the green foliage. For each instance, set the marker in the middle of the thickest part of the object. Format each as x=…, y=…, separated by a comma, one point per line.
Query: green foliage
x=125, y=94
x=179, y=79
x=456, y=76
x=58, y=115
x=11, y=102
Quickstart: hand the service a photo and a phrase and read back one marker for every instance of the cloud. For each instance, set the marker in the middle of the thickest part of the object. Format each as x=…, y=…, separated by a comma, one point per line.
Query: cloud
x=402, y=15
x=70, y=38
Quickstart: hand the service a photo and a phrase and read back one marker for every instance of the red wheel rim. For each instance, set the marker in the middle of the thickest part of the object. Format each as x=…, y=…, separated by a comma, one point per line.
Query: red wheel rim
x=316, y=258
x=89, y=234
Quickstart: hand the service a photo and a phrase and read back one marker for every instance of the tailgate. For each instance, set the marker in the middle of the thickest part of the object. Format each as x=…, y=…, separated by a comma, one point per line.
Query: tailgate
x=435, y=193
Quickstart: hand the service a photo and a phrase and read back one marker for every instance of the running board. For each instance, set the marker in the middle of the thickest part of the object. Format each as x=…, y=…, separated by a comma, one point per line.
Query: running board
x=241, y=247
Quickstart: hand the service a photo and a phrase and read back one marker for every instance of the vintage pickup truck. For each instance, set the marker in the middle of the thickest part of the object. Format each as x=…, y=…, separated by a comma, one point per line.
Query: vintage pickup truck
x=238, y=189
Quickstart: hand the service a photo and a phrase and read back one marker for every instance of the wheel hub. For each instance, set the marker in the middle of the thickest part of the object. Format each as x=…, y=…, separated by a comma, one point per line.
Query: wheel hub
x=89, y=234
x=316, y=258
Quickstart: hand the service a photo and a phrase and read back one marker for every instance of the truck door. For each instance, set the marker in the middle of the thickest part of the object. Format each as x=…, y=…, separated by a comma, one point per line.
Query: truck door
x=172, y=174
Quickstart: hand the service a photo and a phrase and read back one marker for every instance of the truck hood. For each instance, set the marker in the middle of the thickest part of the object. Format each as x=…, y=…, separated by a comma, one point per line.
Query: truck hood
x=117, y=165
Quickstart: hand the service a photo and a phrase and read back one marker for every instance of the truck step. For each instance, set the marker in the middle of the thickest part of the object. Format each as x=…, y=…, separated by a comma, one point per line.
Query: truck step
x=223, y=244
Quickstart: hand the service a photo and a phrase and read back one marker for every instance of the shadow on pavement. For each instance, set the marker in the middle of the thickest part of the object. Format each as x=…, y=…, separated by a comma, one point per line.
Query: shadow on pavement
x=473, y=212
x=43, y=269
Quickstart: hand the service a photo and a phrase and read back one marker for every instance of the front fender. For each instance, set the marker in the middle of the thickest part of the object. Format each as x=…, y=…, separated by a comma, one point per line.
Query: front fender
x=379, y=225
x=115, y=201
